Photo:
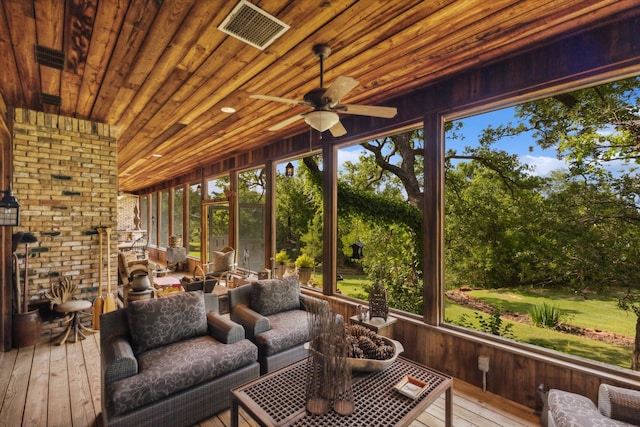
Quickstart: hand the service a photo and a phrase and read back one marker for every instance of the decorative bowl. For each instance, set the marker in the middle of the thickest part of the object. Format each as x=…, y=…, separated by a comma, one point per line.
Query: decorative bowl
x=370, y=365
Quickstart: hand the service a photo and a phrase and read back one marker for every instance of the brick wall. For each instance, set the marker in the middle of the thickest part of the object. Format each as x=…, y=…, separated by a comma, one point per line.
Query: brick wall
x=65, y=178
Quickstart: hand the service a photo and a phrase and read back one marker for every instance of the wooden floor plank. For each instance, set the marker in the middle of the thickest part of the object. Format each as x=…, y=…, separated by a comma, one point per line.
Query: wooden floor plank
x=91, y=352
x=16, y=394
x=7, y=364
x=59, y=404
x=82, y=411
x=38, y=393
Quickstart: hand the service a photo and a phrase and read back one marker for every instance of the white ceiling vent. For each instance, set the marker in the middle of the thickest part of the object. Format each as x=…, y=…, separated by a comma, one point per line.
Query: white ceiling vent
x=253, y=25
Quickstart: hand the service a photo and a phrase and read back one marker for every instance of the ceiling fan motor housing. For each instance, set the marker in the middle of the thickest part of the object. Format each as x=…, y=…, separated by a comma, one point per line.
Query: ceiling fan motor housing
x=322, y=50
x=317, y=99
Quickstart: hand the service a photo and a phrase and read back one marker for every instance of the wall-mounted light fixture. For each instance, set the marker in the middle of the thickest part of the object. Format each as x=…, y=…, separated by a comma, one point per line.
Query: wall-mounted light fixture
x=9, y=209
x=288, y=169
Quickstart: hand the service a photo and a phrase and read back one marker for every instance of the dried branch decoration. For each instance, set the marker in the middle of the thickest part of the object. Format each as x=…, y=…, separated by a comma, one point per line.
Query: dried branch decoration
x=62, y=292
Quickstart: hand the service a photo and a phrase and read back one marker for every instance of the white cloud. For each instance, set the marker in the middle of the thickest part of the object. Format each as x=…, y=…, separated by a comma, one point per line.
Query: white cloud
x=348, y=156
x=543, y=165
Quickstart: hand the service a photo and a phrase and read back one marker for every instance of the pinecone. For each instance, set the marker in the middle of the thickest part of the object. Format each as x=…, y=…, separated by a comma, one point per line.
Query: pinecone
x=359, y=330
x=364, y=343
x=368, y=347
x=356, y=352
x=385, y=352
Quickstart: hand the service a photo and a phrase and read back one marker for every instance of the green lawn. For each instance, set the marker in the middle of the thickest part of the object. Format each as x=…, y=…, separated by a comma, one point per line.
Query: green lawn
x=565, y=343
x=353, y=285
x=594, y=312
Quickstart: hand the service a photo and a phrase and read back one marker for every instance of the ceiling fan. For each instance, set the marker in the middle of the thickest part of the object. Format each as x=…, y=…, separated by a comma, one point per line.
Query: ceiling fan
x=325, y=102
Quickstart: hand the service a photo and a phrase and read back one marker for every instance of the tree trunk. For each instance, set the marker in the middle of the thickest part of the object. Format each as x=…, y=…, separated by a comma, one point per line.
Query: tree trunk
x=635, y=358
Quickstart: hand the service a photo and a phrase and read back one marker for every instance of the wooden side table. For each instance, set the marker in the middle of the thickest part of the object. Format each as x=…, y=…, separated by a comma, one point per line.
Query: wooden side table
x=376, y=324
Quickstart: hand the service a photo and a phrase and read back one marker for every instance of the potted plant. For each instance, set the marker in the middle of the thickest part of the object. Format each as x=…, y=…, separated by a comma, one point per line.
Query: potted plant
x=282, y=259
x=304, y=264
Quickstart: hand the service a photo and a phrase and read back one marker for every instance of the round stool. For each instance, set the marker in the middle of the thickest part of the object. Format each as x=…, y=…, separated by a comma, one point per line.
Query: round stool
x=72, y=308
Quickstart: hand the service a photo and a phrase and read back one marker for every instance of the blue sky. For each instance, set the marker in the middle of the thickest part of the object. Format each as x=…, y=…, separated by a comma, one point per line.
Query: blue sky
x=543, y=161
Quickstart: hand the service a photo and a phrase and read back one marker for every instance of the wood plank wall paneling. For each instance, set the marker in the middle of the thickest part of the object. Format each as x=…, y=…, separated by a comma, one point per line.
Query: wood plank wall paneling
x=9, y=65
x=6, y=270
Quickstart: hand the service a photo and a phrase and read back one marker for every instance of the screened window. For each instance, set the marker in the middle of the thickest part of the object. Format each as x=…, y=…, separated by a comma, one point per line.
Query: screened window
x=178, y=212
x=194, y=221
x=380, y=186
x=251, y=226
x=164, y=219
x=542, y=223
x=299, y=220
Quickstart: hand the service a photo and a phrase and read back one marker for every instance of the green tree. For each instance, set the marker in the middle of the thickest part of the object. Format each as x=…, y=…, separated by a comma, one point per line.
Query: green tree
x=491, y=214
x=299, y=213
x=593, y=213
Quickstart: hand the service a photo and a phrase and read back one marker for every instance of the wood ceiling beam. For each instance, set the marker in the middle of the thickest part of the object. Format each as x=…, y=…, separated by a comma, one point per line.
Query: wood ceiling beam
x=107, y=25
x=23, y=23
x=138, y=20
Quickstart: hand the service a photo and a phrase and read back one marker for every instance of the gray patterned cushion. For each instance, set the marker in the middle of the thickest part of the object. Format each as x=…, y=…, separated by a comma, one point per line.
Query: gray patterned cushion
x=574, y=410
x=167, y=370
x=275, y=295
x=161, y=321
x=288, y=329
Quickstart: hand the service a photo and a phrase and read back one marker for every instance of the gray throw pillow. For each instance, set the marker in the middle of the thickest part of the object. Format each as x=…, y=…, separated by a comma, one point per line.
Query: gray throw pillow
x=275, y=295
x=161, y=321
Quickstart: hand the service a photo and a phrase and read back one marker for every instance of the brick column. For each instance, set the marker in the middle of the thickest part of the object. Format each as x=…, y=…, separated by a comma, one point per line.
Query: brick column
x=65, y=178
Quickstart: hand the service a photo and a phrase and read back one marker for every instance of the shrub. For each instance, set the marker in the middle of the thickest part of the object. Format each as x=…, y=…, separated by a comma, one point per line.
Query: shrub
x=282, y=257
x=492, y=325
x=304, y=260
x=545, y=315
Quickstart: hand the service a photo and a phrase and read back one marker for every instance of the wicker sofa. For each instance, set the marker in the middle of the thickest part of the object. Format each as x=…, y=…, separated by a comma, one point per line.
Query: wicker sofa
x=171, y=361
x=273, y=313
x=616, y=407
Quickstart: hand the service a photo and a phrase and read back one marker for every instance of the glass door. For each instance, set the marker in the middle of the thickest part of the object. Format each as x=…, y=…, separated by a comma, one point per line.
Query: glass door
x=218, y=227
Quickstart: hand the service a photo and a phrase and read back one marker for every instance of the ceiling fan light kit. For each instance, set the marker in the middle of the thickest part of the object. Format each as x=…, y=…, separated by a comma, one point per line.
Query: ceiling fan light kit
x=321, y=120
x=325, y=102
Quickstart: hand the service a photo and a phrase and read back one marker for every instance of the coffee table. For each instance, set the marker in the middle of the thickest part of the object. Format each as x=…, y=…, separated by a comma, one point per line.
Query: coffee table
x=278, y=398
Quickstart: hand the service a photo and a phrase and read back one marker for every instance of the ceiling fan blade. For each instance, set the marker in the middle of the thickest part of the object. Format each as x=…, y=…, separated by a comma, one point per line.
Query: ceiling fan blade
x=340, y=87
x=337, y=130
x=368, y=110
x=286, y=122
x=278, y=99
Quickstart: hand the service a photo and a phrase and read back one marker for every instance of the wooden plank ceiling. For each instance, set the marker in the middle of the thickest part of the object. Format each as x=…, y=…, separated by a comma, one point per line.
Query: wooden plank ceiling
x=160, y=70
